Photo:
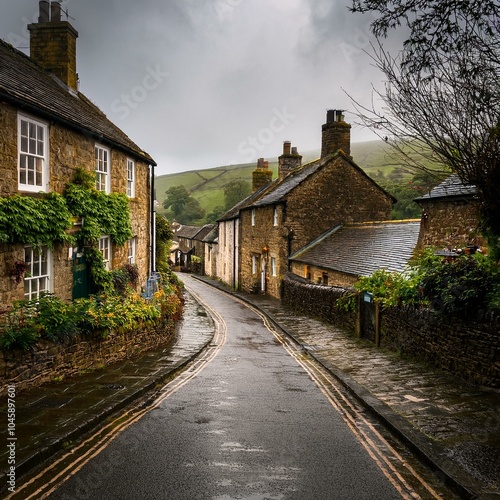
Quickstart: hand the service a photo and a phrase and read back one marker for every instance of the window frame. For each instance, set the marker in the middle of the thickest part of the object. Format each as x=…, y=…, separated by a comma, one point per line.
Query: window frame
x=36, y=259
x=105, y=246
x=99, y=173
x=44, y=157
x=132, y=251
x=274, y=267
x=130, y=178
x=255, y=269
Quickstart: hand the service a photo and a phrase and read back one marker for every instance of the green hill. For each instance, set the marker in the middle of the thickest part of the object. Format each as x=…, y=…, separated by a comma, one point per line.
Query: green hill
x=207, y=185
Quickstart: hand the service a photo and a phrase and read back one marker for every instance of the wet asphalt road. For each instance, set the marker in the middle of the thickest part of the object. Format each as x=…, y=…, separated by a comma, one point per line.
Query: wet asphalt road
x=251, y=425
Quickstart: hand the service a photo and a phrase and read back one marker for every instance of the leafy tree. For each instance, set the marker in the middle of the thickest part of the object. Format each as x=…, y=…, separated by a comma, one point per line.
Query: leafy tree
x=184, y=208
x=215, y=214
x=177, y=197
x=406, y=192
x=442, y=97
x=163, y=229
x=235, y=191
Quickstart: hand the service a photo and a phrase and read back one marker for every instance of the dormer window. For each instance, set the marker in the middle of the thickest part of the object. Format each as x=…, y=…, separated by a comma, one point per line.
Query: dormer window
x=33, y=150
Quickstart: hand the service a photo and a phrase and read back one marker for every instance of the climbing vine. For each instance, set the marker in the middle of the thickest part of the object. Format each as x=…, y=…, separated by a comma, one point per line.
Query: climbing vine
x=101, y=213
x=34, y=221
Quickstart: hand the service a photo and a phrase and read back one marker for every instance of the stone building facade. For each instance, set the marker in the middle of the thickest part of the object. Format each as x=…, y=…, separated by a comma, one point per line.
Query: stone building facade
x=48, y=130
x=451, y=216
x=304, y=202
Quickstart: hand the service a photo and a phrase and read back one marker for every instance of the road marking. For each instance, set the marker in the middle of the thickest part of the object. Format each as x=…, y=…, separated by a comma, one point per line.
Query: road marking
x=100, y=440
x=369, y=437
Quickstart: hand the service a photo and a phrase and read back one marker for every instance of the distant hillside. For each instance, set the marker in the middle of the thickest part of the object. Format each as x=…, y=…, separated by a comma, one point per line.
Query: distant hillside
x=207, y=185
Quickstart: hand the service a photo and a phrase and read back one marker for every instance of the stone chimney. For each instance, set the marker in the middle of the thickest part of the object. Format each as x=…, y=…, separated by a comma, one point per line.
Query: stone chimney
x=53, y=43
x=336, y=134
x=289, y=160
x=262, y=175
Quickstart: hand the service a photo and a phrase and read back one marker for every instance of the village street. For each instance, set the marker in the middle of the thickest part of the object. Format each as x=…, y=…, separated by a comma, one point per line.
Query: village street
x=258, y=422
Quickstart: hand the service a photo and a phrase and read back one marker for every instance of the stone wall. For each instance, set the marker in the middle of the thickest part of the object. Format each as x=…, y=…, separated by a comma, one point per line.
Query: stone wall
x=265, y=240
x=470, y=350
x=50, y=361
x=334, y=277
x=339, y=192
x=452, y=224
x=317, y=301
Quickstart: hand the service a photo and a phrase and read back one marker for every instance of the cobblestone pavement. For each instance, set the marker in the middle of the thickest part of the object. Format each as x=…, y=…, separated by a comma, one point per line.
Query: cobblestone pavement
x=453, y=424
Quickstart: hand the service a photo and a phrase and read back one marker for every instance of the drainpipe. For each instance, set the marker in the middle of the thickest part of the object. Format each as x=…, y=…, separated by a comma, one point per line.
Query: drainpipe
x=152, y=235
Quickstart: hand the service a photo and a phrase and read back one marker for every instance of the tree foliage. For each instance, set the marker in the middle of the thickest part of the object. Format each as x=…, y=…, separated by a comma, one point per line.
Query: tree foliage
x=235, y=191
x=183, y=207
x=442, y=97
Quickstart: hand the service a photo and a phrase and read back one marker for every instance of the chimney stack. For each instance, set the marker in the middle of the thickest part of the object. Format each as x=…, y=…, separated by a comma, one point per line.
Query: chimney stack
x=336, y=134
x=53, y=43
x=289, y=160
x=262, y=175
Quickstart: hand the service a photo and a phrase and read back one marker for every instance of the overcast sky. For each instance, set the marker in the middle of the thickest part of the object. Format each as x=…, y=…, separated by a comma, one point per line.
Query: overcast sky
x=204, y=83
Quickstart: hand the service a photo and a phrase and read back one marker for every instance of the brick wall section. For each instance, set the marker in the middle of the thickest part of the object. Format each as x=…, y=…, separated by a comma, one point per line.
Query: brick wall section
x=451, y=224
x=70, y=150
x=48, y=360
x=470, y=350
x=338, y=192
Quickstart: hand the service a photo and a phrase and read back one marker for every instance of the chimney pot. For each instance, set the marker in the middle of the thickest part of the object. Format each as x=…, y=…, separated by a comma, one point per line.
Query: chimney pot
x=286, y=147
x=266, y=164
x=295, y=151
x=44, y=8
x=260, y=163
x=55, y=12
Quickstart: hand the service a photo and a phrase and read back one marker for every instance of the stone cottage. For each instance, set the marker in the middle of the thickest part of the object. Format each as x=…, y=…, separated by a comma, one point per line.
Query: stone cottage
x=48, y=130
x=257, y=237
x=346, y=252
x=451, y=215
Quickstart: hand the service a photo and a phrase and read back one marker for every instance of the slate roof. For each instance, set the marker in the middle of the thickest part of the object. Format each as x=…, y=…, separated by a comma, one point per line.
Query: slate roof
x=212, y=236
x=188, y=232
x=361, y=249
x=25, y=84
x=449, y=188
x=200, y=235
x=281, y=189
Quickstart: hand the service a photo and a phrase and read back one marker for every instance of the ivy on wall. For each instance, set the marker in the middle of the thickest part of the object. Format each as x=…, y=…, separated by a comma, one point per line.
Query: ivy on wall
x=34, y=221
x=101, y=213
x=44, y=220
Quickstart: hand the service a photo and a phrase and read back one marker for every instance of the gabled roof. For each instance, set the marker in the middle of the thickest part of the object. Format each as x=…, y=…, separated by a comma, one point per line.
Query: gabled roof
x=200, y=235
x=26, y=85
x=361, y=249
x=281, y=189
x=451, y=187
x=212, y=236
x=188, y=232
